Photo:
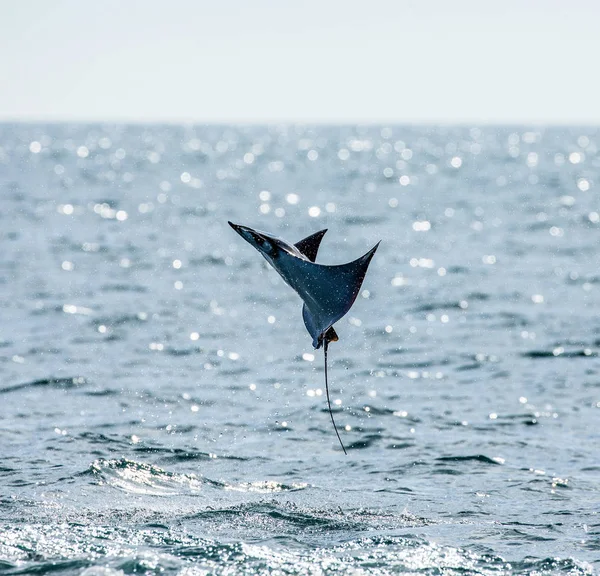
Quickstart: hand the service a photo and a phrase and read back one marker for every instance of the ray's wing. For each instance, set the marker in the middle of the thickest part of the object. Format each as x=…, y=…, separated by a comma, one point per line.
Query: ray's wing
x=309, y=246
x=309, y=322
x=328, y=292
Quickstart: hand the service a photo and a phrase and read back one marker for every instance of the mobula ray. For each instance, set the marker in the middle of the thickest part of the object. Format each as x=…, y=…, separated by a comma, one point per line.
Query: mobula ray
x=327, y=292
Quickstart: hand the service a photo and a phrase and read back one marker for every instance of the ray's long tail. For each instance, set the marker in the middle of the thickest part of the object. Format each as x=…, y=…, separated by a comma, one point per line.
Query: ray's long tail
x=325, y=343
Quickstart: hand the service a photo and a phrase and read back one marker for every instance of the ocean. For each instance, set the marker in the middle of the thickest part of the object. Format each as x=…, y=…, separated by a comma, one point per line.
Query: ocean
x=162, y=410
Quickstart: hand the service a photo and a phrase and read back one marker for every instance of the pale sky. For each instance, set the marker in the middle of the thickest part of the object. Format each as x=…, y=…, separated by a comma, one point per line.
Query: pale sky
x=312, y=60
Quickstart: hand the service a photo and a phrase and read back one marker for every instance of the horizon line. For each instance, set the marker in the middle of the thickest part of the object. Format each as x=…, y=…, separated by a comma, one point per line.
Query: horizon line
x=299, y=120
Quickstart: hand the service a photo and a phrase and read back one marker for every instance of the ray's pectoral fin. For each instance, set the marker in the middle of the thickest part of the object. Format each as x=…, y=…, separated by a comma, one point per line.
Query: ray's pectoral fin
x=311, y=326
x=309, y=246
x=329, y=293
x=317, y=335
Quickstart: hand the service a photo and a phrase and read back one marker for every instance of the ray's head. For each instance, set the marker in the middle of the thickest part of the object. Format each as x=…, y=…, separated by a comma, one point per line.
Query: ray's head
x=269, y=246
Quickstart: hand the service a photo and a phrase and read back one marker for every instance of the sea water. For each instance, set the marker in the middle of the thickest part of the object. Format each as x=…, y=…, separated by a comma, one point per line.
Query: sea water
x=162, y=410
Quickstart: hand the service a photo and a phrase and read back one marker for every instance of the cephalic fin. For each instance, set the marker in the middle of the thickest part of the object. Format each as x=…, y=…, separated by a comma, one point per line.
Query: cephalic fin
x=309, y=246
x=331, y=335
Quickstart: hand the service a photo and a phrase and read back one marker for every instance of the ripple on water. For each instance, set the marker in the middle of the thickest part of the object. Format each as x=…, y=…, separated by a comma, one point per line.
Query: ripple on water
x=560, y=352
x=58, y=383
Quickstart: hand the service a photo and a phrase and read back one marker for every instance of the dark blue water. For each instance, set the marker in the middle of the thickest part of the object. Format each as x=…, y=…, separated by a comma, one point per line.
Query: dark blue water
x=162, y=410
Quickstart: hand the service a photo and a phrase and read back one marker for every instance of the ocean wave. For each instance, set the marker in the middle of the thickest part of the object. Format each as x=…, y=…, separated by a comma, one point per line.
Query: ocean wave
x=140, y=478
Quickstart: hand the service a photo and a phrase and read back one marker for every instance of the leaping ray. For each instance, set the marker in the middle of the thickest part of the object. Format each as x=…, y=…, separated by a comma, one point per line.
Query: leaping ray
x=327, y=292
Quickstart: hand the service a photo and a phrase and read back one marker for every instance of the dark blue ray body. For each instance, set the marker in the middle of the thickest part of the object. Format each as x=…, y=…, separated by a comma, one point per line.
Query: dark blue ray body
x=328, y=292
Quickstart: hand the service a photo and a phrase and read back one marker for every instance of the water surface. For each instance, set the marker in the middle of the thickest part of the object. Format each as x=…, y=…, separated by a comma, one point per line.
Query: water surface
x=162, y=409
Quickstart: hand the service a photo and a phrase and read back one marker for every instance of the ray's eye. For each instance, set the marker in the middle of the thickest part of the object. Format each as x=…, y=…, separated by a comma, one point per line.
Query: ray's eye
x=265, y=246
